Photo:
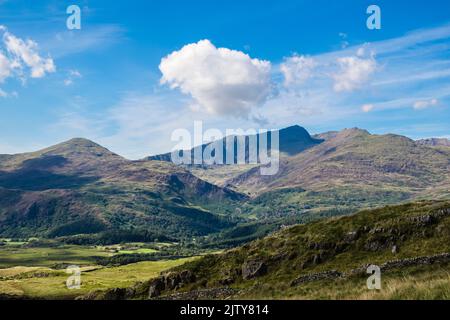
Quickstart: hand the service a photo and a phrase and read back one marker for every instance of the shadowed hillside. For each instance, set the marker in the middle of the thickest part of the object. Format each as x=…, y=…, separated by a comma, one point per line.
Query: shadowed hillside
x=79, y=187
x=293, y=140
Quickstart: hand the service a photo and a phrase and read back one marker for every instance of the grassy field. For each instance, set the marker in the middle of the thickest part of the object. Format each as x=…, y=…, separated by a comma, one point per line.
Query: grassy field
x=38, y=272
x=11, y=256
x=20, y=253
x=46, y=283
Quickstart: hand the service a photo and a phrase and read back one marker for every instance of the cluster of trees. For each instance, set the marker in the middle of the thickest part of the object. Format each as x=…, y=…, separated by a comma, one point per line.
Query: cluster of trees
x=117, y=236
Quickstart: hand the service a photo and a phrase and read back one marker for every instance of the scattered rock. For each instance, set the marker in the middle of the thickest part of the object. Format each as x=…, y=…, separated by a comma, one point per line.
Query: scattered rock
x=351, y=236
x=424, y=221
x=394, y=249
x=115, y=294
x=328, y=275
x=226, y=282
x=395, y=264
x=441, y=258
x=377, y=245
x=206, y=294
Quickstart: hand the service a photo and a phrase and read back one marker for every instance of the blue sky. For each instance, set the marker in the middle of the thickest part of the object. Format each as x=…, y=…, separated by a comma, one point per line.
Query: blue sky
x=138, y=70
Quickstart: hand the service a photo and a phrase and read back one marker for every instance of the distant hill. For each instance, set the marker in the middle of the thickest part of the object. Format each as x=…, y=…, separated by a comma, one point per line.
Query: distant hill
x=355, y=157
x=79, y=187
x=351, y=169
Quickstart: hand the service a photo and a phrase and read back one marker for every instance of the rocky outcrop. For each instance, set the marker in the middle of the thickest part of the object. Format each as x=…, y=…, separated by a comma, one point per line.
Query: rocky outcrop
x=150, y=289
x=170, y=281
x=156, y=287
x=253, y=269
x=327, y=275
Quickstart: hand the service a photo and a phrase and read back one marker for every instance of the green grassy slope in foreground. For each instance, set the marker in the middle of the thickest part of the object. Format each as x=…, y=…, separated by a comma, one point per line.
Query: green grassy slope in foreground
x=269, y=268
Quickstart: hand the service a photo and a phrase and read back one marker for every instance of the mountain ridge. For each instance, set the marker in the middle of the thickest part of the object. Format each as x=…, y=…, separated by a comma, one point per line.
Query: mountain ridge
x=334, y=174
x=293, y=140
x=435, y=142
x=68, y=188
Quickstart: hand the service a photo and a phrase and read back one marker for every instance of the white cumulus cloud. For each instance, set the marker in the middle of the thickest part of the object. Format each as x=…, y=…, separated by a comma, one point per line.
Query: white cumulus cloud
x=354, y=72
x=26, y=52
x=220, y=80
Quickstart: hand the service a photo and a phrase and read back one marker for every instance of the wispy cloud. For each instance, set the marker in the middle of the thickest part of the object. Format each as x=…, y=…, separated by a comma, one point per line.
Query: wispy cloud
x=96, y=37
x=401, y=73
x=72, y=75
x=137, y=126
x=424, y=104
x=409, y=72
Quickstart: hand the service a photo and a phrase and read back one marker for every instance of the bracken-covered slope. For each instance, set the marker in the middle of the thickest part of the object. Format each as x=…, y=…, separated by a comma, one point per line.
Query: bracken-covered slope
x=79, y=187
x=326, y=259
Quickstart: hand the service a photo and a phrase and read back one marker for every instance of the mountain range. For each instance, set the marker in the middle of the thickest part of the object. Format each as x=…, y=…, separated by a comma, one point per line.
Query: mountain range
x=80, y=190
x=340, y=171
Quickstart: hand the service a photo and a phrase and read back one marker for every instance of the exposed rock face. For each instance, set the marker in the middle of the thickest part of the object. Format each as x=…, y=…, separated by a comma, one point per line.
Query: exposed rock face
x=424, y=221
x=171, y=281
x=156, y=287
x=253, y=269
